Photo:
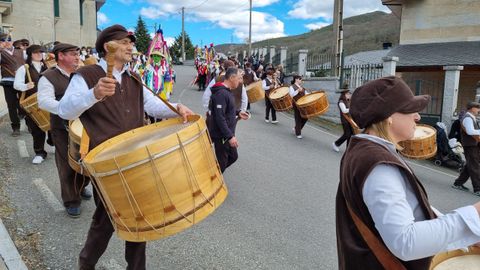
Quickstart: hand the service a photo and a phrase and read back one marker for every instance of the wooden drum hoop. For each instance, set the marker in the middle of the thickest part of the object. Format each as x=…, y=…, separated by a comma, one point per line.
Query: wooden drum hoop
x=281, y=99
x=423, y=147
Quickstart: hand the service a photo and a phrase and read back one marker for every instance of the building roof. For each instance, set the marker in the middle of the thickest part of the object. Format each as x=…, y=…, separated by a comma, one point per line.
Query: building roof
x=367, y=57
x=465, y=53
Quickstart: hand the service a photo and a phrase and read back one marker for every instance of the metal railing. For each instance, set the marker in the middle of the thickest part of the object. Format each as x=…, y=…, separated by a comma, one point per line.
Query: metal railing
x=357, y=75
x=276, y=59
x=291, y=63
x=320, y=64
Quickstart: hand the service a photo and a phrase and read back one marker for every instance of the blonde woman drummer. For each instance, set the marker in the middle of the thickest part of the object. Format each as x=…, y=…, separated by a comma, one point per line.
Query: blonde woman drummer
x=297, y=91
x=383, y=217
x=34, y=67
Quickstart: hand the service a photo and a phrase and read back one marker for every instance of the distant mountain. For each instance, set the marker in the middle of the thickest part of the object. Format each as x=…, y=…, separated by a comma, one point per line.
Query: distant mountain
x=361, y=33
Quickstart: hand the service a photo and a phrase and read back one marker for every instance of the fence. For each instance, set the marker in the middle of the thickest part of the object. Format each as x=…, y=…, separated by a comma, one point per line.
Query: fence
x=320, y=64
x=276, y=59
x=357, y=75
x=292, y=63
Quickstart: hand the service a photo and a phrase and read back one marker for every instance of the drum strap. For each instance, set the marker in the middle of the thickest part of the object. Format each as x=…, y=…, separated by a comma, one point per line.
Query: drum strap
x=383, y=255
x=84, y=144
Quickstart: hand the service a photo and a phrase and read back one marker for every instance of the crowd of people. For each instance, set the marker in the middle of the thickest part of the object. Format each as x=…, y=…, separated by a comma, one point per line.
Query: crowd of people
x=383, y=217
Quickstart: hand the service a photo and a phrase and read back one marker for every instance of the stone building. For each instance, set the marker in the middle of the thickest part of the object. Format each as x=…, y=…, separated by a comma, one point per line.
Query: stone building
x=438, y=52
x=45, y=21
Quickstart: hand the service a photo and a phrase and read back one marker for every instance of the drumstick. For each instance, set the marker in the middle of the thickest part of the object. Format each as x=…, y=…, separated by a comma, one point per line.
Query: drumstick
x=112, y=47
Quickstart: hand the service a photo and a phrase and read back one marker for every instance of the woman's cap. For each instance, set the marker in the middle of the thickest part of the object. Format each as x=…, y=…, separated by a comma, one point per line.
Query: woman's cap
x=34, y=48
x=379, y=99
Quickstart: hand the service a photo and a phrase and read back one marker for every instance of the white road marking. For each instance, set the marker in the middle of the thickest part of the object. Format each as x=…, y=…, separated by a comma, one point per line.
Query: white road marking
x=22, y=149
x=409, y=162
x=9, y=252
x=181, y=95
x=48, y=195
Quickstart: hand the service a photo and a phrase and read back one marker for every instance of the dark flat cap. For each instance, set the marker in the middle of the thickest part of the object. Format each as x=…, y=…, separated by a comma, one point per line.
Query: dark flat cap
x=114, y=32
x=25, y=41
x=473, y=104
x=342, y=90
x=64, y=47
x=33, y=49
x=379, y=99
x=17, y=43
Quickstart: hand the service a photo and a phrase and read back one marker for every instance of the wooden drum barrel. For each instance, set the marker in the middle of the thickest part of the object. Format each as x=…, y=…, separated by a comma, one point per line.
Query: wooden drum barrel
x=313, y=104
x=255, y=92
x=30, y=105
x=423, y=145
x=159, y=179
x=281, y=99
x=457, y=260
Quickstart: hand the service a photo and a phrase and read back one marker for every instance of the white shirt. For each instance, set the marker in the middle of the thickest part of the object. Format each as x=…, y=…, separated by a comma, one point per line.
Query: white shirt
x=294, y=92
x=208, y=93
x=400, y=221
x=467, y=123
x=46, y=93
x=264, y=84
x=19, y=83
x=343, y=108
x=78, y=98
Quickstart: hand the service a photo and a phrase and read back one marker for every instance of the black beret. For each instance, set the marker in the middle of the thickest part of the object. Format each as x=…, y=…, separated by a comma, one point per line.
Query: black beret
x=379, y=99
x=114, y=32
x=34, y=48
x=64, y=47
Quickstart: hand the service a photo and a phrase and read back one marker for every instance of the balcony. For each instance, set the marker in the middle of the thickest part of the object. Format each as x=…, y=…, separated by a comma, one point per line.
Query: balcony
x=5, y=7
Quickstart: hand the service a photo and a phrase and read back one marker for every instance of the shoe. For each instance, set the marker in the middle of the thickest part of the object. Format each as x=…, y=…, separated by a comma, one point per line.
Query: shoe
x=335, y=147
x=73, y=212
x=38, y=159
x=274, y=122
x=460, y=187
x=16, y=133
x=86, y=194
x=267, y=121
x=299, y=137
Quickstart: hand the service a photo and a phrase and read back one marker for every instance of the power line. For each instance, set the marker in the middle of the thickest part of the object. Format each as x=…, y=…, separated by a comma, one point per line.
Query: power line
x=197, y=6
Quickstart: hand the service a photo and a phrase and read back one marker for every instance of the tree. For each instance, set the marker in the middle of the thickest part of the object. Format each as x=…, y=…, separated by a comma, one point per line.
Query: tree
x=142, y=36
x=176, y=48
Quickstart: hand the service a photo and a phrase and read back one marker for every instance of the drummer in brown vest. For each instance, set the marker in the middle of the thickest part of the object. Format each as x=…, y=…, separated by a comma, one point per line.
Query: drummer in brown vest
x=108, y=107
x=343, y=105
x=383, y=217
x=51, y=88
x=470, y=132
x=297, y=91
x=10, y=60
x=268, y=85
x=249, y=77
x=34, y=66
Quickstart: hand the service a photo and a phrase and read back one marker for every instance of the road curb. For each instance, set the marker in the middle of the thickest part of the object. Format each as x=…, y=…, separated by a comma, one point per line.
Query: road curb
x=9, y=255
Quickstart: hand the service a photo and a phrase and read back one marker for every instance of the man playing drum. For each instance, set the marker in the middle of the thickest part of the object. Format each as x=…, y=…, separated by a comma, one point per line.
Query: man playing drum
x=108, y=107
x=51, y=88
x=269, y=84
x=470, y=130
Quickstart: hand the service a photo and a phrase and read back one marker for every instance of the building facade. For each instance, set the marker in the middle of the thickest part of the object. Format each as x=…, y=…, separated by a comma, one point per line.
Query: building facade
x=45, y=21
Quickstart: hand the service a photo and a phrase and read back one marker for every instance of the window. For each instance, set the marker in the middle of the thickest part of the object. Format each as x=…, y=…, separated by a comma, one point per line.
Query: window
x=56, y=8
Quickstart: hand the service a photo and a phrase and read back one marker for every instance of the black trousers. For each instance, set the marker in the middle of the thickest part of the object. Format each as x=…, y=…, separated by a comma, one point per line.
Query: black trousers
x=13, y=105
x=226, y=155
x=268, y=108
x=471, y=169
x=347, y=133
x=299, y=121
x=71, y=182
x=38, y=137
x=99, y=235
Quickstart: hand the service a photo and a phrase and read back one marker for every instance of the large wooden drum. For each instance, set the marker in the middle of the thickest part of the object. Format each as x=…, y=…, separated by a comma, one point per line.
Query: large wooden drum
x=159, y=179
x=457, y=260
x=30, y=105
x=423, y=145
x=255, y=92
x=313, y=104
x=281, y=99
x=75, y=129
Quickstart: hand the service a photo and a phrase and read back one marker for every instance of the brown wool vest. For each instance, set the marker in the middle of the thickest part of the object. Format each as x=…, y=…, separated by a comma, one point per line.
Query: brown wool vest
x=18, y=54
x=60, y=84
x=300, y=94
x=468, y=140
x=10, y=63
x=116, y=114
x=248, y=77
x=35, y=77
x=358, y=161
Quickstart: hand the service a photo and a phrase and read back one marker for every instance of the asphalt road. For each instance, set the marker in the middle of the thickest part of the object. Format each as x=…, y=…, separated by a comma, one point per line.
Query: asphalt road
x=279, y=213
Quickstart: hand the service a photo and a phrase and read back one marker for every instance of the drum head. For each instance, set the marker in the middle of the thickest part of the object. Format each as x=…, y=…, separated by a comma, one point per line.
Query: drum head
x=279, y=92
x=142, y=138
x=310, y=97
x=76, y=127
x=423, y=132
x=253, y=85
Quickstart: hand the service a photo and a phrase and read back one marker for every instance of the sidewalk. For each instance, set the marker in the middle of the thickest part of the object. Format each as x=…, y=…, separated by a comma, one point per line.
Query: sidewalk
x=9, y=257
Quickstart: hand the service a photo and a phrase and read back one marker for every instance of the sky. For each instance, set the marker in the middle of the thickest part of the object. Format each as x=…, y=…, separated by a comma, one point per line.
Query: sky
x=227, y=21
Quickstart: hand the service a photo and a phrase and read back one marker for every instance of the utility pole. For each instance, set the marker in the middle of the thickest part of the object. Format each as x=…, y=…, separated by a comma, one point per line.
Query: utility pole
x=338, y=33
x=250, y=32
x=183, y=34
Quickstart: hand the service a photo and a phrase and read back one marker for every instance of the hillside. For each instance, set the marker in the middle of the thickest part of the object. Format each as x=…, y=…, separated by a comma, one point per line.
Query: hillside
x=361, y=33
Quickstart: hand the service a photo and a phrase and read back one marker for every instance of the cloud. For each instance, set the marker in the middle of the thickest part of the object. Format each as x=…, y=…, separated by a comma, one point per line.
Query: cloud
x=314, y=9
x=170, y=41
x=102, y=18
x=233, y=15
x=317, y=25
